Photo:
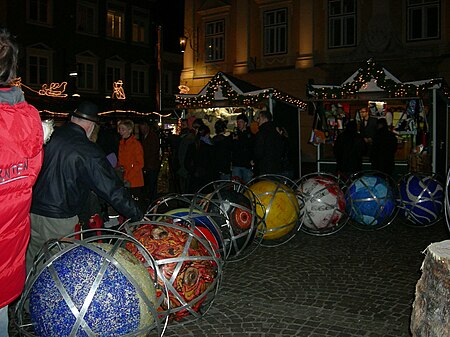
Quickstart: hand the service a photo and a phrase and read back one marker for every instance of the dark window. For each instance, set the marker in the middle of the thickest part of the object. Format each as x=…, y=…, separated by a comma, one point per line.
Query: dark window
x=423, y=19
x=341, y=23
x=275, y=32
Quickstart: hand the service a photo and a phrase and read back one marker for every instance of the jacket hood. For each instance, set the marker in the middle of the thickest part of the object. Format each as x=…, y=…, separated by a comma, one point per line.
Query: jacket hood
x=21, y=123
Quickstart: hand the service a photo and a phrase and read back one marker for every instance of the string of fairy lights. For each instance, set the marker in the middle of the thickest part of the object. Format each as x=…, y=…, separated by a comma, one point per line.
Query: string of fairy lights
x=371, y=70
x=219, y=82
x=57, y=90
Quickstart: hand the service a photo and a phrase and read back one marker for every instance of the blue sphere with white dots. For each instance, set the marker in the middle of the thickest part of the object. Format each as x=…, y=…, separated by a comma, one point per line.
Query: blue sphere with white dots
x=88, y=292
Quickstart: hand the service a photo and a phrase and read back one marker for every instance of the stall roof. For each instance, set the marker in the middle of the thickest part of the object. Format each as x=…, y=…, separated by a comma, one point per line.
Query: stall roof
x=227, y=90
x=372, y=77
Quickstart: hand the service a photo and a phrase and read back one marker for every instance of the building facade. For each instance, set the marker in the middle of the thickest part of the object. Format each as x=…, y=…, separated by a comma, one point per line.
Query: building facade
x=103, y=49
x=287, y=44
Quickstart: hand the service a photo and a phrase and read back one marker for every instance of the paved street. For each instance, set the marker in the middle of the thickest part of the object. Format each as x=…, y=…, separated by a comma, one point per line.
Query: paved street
x=352, y=283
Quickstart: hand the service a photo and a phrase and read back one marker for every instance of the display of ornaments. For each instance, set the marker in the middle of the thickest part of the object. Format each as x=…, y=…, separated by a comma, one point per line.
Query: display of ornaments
x=189, y=267
x=322, y=204
x=86, y=288
x=232, y=209
x=370, y=200
x=421, y=198
x=278, y=207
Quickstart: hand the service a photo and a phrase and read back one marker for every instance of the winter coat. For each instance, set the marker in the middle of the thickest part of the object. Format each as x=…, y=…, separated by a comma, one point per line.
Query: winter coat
x=268, y=149
x=349, y=150
x=150, y=146
x=382, y=154
x=222, y=153
x=73, y=166
x=21, y=140
x=243, y=149
x=131, y=157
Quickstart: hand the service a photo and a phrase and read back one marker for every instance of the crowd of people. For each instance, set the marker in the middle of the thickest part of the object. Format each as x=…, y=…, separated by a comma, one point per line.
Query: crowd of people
x=372, y=138
x=235, y=153
x=47, y=189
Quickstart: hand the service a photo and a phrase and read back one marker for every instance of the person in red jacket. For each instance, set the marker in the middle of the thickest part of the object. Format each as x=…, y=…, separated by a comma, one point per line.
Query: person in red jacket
x=21, y=140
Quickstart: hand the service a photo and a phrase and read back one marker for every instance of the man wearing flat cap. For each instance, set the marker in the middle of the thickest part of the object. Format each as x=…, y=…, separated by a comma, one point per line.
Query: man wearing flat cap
x=72, y=167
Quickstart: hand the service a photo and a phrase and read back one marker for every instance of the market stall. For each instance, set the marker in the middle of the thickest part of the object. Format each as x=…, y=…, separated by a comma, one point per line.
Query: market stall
x=415, y=111
x=225, y=96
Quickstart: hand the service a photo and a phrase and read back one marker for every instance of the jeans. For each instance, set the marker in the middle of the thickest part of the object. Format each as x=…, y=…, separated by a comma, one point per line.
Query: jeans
x=4, y=321
x=242, y=172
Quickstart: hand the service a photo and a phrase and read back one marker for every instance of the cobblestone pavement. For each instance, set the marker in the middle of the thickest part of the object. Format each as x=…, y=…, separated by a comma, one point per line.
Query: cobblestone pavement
x=351, y=283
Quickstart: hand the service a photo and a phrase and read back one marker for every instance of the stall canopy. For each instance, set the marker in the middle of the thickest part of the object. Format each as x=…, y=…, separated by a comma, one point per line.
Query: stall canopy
x=229, y=92
x=372, y=77
x=372, y=82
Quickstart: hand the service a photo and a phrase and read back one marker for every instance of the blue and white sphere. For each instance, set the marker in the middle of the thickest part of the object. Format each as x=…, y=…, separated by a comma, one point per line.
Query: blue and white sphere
x=370, y=200
x=421, y=198
x=85, y=293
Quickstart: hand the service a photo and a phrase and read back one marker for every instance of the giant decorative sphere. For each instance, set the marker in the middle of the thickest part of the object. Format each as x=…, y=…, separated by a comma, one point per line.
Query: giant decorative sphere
x=370, y=200
x=322, y=203
x=421, y=198
x=188, y=265
x=92, y=288
x=278, y=207
x=234, y=212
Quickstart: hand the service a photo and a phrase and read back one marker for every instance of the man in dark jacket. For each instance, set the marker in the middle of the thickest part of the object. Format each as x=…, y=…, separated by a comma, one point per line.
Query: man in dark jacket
x=150, y=144
x=72, y=167
x=384, y=147
x=349, y=149
x=268, y=146
x=242, y=151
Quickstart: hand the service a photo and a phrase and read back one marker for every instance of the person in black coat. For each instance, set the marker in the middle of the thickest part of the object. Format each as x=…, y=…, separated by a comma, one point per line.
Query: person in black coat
x=242, y=153
x=200, y=160
x=349, y=149
x=268, y=146
x=384, y=147
x=222, y=154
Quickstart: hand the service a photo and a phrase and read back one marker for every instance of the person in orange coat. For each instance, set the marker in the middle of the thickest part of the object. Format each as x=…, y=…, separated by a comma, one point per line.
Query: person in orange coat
x=131, y=157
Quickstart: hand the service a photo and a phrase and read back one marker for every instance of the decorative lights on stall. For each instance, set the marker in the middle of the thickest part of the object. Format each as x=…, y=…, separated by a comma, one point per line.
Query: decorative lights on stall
x=371, y=70
x=219, y=83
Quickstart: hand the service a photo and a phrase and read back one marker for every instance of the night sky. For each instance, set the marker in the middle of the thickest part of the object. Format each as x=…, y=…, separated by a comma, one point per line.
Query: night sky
x=171, y=19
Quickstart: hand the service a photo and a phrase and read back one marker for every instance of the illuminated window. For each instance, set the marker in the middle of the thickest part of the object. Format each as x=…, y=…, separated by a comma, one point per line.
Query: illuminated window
x=115, y=24
x=341, y=23
x=275, y=32
x=40, y=11
x=87, y=17
x=139, y=27
x=423, y=19
x=214, y=39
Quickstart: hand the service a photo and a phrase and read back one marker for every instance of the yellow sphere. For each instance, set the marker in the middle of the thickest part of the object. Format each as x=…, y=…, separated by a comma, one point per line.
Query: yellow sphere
x=280, y=205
